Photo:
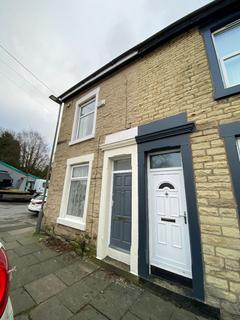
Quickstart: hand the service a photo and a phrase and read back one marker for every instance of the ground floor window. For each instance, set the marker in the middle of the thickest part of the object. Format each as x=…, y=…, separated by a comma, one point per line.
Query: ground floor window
x=75, y=192
x=230, y=133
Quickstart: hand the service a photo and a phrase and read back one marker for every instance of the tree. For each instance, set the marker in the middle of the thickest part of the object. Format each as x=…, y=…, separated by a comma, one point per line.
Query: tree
x=9, y=148
x=33, y=152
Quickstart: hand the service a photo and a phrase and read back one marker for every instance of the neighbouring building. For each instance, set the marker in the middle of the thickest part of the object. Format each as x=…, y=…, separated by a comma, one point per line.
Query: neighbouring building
x=20, y=180
x=147, y=161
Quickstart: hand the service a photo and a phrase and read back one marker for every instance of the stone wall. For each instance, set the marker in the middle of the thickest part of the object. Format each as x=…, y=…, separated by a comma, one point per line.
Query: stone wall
x=172, y=79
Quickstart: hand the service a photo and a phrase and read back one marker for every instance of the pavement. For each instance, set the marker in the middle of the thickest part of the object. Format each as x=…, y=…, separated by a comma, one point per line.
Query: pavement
x=60, y=285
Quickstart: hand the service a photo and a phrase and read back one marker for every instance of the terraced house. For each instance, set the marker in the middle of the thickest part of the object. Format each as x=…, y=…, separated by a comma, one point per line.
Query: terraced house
x=148, y=163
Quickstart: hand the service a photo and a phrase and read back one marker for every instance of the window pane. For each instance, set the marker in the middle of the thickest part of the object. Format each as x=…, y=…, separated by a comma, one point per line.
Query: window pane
x=81, y=171
x=238, y=147
x=165, y=160
x=88, y=107
x=85, y=126
x=228, y=41
x=122, y=164
x=232, y=66
x=76, y=199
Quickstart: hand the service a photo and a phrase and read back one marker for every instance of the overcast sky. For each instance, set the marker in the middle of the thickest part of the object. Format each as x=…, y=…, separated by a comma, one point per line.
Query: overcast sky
x=63, y=41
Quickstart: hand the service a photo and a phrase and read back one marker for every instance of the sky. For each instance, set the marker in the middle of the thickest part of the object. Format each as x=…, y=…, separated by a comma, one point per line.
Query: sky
x=63, y=41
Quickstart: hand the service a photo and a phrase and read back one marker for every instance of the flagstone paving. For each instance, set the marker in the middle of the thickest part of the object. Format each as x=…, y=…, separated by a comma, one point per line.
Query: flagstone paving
x=61, y=285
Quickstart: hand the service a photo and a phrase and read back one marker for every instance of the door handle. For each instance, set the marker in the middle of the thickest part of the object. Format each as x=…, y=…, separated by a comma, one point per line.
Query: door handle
x=185, y=217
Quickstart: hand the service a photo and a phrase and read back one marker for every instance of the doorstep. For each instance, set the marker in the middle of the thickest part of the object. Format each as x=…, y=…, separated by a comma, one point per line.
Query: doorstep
x=178, y=294
x=119, y=268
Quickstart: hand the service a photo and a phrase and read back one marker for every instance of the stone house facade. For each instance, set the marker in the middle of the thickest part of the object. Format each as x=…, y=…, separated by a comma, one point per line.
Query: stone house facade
x=147, y=161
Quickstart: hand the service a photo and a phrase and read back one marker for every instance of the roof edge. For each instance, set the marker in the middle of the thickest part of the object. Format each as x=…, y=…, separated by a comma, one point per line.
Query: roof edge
x=194, y=18
x=17, y=170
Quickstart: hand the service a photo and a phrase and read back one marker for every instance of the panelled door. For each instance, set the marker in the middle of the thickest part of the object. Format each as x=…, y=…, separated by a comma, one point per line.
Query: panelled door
x=169, y=233
x=120, y=237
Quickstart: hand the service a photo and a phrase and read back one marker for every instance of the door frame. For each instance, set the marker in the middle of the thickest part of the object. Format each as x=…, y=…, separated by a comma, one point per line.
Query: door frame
x=111, y=196
x=182, y=193
x=116, y=150
x=162, y=135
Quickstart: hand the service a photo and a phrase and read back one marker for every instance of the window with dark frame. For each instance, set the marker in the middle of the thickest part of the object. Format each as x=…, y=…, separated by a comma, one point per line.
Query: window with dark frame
x=230, y=133
x=222, y=42
x=227, y=46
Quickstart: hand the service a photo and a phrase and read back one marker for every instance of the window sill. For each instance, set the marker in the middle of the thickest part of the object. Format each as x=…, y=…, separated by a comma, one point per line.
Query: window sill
x=81, y=140
x=221, y=92
x=72, y=223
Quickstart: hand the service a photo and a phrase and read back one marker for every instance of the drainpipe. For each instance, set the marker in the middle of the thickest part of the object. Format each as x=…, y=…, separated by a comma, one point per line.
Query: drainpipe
x=41, y=212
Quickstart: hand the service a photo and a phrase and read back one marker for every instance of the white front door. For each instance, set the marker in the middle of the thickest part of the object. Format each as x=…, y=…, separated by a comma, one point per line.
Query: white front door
x=169, y=233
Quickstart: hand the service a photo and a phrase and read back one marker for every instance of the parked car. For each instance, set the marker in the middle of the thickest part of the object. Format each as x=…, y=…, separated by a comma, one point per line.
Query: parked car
x=6, y=311
x=36, y=203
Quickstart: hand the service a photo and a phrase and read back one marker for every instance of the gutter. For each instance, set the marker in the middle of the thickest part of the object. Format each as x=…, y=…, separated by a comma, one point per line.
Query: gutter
x=198, y=17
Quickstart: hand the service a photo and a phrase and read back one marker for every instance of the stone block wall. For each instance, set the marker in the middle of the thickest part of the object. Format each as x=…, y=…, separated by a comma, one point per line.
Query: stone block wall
x=173, y=78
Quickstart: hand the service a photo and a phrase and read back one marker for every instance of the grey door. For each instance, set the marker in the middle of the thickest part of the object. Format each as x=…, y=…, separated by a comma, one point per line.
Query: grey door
x=121, y=211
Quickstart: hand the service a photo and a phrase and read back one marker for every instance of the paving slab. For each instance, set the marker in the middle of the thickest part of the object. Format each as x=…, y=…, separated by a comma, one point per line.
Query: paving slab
x=83, y=292
x=50, y=310
x=68, y=258
x=22, y=230
x=15, y=283
x=12, y=224
x=22, y=317
x=7, y=221
x=150, y=306
x=7, y=237
x=15, y=230
x=181, y=314
x=46, y=254
x=27, y=275
x=27, y=239
x=12, y=255
x=116, y=299
x=89, y=313
x=44, y=288
x=131, y=316
x=76, y=271
x=24, y=261
x=21, y=301
x=24, y=276
x=51, y=265
x=12, y=245
x=29, y=248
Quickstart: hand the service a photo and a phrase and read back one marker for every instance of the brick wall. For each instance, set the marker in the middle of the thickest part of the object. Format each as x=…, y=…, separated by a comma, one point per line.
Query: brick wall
x=172, y=79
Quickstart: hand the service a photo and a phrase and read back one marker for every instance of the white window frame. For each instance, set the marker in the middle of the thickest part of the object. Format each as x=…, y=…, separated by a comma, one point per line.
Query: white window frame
x=79, y=104
x=68, y=220
x=221, y=60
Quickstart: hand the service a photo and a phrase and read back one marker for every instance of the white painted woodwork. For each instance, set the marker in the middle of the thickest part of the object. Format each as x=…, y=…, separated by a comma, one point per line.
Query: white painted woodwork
x=169, y=241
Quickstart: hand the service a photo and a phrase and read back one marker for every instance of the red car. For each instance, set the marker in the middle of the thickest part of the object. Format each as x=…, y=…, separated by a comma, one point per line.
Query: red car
x=6, y=311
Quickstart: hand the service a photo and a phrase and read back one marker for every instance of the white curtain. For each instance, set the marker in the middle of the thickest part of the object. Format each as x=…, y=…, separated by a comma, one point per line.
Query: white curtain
x=85, y=126
x=76, y=199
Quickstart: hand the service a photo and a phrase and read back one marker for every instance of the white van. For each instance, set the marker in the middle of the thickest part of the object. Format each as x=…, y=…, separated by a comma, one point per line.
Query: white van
x=39, y=185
